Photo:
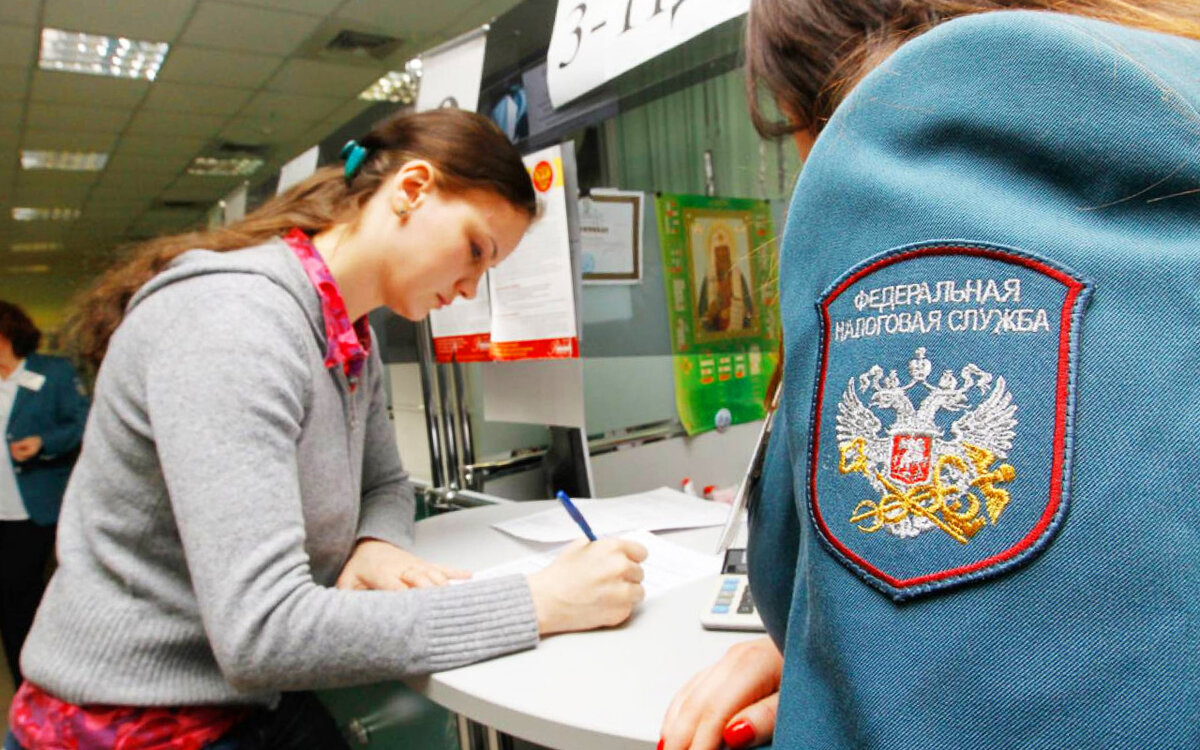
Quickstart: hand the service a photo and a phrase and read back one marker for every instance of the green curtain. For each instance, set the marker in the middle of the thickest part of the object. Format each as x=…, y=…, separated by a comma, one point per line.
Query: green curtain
x=660, y=146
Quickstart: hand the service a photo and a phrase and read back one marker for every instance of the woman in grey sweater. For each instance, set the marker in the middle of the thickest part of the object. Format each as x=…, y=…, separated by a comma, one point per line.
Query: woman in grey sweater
x=239, y=485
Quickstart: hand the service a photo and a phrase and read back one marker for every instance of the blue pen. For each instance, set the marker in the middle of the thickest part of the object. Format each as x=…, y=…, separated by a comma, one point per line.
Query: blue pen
x=575, y=515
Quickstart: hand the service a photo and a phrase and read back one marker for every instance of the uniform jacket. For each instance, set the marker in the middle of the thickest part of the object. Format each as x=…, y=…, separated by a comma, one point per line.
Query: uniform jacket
x=56, y=412
x=977, y=526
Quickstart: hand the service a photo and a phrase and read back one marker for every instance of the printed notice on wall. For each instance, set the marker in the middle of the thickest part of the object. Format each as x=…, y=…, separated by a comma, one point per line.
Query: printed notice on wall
x=526, y=307
x=462, y=330
x=533, y=291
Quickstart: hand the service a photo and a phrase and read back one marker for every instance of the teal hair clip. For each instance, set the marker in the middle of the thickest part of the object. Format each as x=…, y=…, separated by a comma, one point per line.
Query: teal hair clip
x=354, y=155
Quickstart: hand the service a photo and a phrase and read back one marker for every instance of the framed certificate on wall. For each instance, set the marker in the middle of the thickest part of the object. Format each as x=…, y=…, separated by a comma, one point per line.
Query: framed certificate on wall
x=610, y=235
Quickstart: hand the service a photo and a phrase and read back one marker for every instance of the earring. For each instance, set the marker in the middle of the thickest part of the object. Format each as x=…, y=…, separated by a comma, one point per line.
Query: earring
x=402, y=211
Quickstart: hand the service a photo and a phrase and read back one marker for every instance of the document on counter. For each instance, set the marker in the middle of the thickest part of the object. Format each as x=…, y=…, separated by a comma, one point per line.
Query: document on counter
x=656, y=510
x=666, y=566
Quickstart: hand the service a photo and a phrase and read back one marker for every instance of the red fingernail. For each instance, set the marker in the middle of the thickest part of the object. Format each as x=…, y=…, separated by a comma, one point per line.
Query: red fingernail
x=661, y=740
x=739, y=734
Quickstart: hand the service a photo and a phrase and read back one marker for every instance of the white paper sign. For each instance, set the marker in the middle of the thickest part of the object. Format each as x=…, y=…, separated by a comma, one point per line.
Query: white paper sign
x=595, y=41
x=464, y=317
x=451, y=74
x=235, y=204
x=533, y=291
x=298, y=169
x=462, y=330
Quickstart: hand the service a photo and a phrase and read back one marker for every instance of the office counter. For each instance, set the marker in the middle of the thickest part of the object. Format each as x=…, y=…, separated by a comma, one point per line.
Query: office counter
x=597, y=690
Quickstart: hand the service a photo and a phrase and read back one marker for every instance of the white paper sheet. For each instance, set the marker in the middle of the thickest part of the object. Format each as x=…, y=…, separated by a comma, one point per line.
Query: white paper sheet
x=452, y=72
x=656, y=510
x=666, y=566
x=533, y=290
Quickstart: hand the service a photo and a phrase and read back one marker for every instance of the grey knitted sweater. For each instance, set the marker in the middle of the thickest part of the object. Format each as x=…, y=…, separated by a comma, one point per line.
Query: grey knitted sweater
x=225, y=477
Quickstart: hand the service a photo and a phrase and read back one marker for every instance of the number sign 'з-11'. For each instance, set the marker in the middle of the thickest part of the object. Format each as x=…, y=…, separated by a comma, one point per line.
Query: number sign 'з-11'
x=597, y=40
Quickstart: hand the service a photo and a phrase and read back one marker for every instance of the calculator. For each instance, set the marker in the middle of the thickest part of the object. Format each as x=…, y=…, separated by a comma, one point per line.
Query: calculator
x=731, y=607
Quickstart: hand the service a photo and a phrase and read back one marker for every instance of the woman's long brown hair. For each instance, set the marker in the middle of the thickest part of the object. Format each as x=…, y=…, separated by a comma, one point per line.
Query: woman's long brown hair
x=804, y=56
x=467, y=150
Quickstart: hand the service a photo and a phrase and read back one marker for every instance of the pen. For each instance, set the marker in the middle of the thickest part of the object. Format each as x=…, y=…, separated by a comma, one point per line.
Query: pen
x=575, y=515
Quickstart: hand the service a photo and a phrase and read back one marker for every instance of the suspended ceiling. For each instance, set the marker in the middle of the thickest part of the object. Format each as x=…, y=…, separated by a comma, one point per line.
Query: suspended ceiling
x=244, y=72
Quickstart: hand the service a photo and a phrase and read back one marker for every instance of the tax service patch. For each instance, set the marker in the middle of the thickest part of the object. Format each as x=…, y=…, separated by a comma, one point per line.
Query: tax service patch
x=942, y=417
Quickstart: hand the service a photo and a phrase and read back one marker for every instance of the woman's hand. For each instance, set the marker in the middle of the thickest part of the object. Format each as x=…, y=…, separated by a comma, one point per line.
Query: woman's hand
x=590, y=585
x=25, y=448
x=376, y=564
x=734, y=701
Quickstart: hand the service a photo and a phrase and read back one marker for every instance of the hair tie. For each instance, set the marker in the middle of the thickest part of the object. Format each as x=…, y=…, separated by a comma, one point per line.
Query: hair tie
x=354, y=155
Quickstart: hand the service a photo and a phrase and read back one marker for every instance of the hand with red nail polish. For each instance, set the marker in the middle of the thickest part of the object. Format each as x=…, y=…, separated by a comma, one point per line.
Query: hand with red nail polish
x=738, y=734
x=734, y=701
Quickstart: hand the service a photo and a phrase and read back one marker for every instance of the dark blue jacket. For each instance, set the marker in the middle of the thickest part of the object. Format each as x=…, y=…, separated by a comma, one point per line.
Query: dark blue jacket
x=56, y=412
x=979, y=526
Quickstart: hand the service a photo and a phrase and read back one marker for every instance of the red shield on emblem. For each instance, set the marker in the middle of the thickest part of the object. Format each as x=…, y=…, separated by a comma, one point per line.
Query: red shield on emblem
x=910, y=458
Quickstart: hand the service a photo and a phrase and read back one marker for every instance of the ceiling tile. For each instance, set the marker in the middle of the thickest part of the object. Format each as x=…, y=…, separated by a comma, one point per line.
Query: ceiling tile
x=206, y=66
x=58, y=140
x=151, y=145
x=106, y=226
x=19, y=12
x=85, y=90
x=10, y=116
x=252, y=29
x=392, y=17
x=314, y=7
x=34, y=231
x=260, y=132
x=14, y=83
x=122, y=163
x=95, y=210
x=48, y=181
x=476, y=15
x=58, y=117
x=323, y=79
x=340, y=117
x=147, y=186
x=166, y=220
x=157, y=22
x=273, y=106
x=186, y=97
x=37, y=196
x=202, y=189
x=18, y=45
x=175, y=123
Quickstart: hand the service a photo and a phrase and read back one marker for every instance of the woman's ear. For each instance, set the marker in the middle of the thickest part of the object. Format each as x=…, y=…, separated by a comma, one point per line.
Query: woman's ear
x=411, y=184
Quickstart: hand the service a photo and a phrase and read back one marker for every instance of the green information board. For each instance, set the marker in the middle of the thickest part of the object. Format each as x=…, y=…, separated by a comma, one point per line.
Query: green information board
x=719, y=261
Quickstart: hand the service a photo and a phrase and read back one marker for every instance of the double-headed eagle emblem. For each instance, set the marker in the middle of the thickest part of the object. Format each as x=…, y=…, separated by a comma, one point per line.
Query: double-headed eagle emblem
x=926, y=480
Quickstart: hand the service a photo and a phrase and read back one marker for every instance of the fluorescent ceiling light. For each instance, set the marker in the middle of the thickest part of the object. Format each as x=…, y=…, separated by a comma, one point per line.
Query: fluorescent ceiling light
x=397, y=86
x=207, y=166
x=36, y=247
x=393, y=87
x=56, y=213
x=71, y=161
x=37, y=268
x=76, y=52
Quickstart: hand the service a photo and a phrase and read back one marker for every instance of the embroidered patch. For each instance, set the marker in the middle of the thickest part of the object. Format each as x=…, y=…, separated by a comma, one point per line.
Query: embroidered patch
x=942, y=420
